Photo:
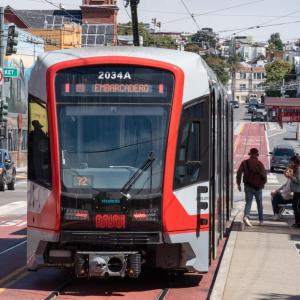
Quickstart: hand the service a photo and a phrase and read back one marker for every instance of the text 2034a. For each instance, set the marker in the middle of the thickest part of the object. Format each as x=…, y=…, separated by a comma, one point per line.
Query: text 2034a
x=114, y=75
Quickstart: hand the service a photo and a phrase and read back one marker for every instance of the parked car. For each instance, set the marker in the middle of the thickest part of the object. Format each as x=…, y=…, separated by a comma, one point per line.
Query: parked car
x=252, y=109
x=234, y=103
x=258, y=117
x=253, y=101
x=280, y=157
x=252, y=96
x=7, y=171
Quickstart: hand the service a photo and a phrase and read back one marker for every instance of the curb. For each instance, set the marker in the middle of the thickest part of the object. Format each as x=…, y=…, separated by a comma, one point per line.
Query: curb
x=220, y=283
x=238, y=223
x=221, y=278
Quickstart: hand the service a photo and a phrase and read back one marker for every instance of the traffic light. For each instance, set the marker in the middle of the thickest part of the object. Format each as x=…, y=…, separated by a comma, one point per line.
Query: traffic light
x=12, y=42
x=3, y=111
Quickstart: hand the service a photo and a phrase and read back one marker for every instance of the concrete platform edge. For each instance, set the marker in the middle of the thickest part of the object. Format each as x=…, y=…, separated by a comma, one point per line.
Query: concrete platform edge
x=220, y=282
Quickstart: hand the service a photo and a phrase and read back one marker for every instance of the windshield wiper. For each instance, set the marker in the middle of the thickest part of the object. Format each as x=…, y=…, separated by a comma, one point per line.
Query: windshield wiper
x=127, y=186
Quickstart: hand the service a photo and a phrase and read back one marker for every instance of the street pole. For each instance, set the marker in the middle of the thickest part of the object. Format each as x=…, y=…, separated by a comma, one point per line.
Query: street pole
x=2, y=125
x=135, y=24
x=233, y=74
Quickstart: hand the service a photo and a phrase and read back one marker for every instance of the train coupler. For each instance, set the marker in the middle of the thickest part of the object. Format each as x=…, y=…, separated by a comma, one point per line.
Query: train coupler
x=107, y=264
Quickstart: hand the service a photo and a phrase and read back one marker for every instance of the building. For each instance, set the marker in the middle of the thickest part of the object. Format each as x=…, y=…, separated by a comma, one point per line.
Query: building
x=60, y=28
x=249, y=80
x=16, y=93
x=247, y=48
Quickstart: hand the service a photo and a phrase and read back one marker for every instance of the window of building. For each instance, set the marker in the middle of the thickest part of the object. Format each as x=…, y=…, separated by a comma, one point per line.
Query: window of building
x=243, y=75
x=39, y=161
x=243, y=87
x=191, y=165
x=257, y=75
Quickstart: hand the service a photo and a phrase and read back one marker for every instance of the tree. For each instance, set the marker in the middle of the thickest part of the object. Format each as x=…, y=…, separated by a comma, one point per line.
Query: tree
x=275, y=42
x=205, y=38
x=277, y=70
x=219, y=66
x=192, y=48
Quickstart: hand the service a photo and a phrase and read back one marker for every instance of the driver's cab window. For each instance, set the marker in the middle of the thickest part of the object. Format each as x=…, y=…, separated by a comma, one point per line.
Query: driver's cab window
x=39, y=162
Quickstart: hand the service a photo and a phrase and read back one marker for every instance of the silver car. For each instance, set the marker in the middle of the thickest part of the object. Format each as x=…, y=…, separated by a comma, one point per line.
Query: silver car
x=281, y=157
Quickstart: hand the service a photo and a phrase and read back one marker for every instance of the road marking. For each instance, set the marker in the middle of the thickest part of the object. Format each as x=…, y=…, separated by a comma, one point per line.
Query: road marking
x=21, y=182
x=17, y=223
x=13, y=277
x=13, y=247
x=12, y=207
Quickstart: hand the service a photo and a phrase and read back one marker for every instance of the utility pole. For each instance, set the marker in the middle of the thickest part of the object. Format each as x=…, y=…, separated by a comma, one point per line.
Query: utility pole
x=233, y=73
x=135, y=23
x=2, y=124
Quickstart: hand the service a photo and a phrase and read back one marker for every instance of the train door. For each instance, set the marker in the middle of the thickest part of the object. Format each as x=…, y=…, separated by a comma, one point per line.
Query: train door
x=191, y=179
x=215, y=184
x=218, y=214
x=224, y=168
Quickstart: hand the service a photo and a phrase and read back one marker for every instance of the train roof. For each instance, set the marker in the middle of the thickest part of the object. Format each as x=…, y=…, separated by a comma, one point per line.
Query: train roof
x=196, y=72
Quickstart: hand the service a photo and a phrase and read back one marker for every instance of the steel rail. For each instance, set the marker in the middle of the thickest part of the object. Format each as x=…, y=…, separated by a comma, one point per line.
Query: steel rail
x=59, y=290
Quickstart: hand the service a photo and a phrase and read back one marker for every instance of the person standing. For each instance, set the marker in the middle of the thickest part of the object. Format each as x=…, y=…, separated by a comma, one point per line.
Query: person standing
x=254, y=178
x=295, y=188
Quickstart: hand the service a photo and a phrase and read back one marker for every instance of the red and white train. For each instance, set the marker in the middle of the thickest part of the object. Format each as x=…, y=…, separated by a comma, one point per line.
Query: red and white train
x=129, y=161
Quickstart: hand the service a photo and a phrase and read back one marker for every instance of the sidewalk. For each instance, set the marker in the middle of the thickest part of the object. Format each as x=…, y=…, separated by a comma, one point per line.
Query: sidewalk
x=260, y=262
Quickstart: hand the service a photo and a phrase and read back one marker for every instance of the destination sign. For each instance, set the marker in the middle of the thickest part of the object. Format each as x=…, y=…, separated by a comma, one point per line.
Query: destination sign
x=114, y=89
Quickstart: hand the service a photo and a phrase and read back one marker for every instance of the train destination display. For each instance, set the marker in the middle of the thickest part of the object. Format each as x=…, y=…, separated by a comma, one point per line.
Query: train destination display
x=113, y=89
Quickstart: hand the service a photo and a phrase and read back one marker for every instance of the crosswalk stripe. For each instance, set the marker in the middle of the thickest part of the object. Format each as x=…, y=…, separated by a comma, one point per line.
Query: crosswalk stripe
x=12, y=207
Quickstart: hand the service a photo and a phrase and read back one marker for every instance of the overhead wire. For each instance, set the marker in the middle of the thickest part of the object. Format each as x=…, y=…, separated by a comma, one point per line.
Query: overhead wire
x=189, y=12
x=261, y=25
x=213, y=11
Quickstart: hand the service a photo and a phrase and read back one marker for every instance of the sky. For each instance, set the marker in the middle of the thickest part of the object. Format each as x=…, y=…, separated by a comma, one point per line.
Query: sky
x=226, y=17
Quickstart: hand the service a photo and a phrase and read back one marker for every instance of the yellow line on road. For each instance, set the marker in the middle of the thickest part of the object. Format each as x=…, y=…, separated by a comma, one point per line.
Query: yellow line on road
x=13, y=277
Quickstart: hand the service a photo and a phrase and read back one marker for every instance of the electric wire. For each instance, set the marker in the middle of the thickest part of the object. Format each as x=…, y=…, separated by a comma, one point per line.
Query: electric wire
x=213, y=11
x=189, y=12
x=264, y=23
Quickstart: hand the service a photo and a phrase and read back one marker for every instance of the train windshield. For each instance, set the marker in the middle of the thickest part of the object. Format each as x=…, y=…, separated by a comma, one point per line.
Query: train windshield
x=110, y=120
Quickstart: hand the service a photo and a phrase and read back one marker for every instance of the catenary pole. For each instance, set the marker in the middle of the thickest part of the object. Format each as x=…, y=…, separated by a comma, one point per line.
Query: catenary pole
x=135, y=24
x=2, y=125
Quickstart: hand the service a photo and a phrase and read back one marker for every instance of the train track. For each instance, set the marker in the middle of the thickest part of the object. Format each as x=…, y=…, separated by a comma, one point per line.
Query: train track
x=145, y=294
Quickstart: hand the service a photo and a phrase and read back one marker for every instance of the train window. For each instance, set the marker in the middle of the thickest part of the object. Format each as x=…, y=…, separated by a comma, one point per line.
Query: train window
x=192, y=149
x=39, y=162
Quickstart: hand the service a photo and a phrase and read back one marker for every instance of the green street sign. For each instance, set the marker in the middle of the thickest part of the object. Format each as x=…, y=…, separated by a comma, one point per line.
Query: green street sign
x=11, y=72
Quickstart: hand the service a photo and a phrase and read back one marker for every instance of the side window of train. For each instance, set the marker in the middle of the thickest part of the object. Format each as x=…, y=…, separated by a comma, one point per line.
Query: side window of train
x=39, y=161
x=192, y=155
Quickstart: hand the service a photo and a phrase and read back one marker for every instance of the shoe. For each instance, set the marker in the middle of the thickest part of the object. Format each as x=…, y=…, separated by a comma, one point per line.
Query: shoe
x=261, y=223
x=247, y=222
x=276, y=217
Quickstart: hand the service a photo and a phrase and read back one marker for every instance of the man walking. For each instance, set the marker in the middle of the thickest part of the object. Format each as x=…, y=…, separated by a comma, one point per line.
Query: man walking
x=254, y=178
